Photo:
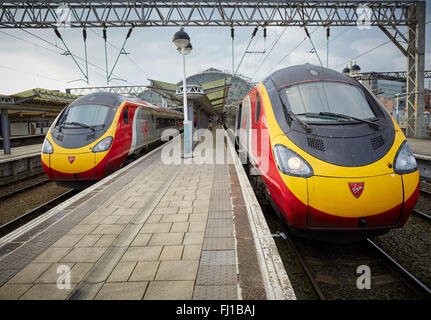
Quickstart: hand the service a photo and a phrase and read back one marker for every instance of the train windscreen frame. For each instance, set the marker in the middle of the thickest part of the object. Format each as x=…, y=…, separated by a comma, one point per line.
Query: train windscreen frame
x=306, y=100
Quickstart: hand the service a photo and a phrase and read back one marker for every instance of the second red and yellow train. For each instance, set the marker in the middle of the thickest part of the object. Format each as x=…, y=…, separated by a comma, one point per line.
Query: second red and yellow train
x=95, y=134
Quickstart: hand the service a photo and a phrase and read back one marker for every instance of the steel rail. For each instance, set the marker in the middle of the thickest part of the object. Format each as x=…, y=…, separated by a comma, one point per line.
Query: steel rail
x=421, y=286
x=304, y=266
x=425, y=192
x=422, y=215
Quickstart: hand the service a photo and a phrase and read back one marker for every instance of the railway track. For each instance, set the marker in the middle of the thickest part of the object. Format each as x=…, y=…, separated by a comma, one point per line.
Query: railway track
x=423, y=191
x=328, y=279
x=26, y=188
x=422, y=215
x=417, y=283
x=34, y=213
x=419, y=213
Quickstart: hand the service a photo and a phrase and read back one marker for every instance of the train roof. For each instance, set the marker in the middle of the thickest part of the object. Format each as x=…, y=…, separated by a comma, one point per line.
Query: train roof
x=114, y=100
x=106, y=98
x=302, y=73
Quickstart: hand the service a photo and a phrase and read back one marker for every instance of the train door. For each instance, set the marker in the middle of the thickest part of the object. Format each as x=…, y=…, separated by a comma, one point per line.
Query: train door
x=245, y=124
x=257, y=128
x=126, y=127
x=140, y=130
x=148, y=126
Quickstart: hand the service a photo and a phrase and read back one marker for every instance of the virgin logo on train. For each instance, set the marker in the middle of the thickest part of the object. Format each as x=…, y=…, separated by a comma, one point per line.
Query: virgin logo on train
x=356, y=188
x=71, y=159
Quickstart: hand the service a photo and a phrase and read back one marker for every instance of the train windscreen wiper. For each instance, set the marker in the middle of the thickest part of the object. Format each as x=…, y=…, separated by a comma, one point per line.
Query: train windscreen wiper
x=80, y=124
x=294, y=117
x=344, y=116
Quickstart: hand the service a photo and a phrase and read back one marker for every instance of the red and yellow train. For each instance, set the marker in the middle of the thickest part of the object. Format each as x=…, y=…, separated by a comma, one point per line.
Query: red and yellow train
x=326, y=151
x=95, y=134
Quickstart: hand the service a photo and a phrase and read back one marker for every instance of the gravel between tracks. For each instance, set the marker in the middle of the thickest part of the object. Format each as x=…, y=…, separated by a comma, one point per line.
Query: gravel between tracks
x=411, y=247
x=424, y=201
x=21, y=184
x=19, y=204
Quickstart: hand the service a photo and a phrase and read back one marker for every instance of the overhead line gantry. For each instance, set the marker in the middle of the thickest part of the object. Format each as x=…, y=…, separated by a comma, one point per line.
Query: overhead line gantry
x=389, y=16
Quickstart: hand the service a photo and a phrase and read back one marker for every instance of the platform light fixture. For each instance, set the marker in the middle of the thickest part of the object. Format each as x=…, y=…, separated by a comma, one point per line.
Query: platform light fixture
x=182, y=41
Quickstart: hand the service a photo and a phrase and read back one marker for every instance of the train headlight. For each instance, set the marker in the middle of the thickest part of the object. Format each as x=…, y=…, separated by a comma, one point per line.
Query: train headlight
x=291, y=163
x=47, y=147
x=103, y=145
x=404, y=161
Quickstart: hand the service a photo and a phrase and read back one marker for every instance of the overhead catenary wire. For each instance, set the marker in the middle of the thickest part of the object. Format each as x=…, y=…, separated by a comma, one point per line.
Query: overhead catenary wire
x=242, y=58
x=46, y=48
x=370, y=50
x=57, y=33
x=269, y=52
x=312, y=44
x=76, y=56
x=33, y=74
x=264, y=51
x=130, y=58
x=121, y=51
x=291, y=51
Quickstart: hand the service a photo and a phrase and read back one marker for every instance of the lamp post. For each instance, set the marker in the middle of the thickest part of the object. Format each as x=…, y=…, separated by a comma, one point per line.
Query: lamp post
x=182, y=41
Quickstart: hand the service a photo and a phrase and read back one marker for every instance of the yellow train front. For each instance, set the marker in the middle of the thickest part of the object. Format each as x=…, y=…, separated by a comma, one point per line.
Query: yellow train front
x=330, y=156
x=94, y=135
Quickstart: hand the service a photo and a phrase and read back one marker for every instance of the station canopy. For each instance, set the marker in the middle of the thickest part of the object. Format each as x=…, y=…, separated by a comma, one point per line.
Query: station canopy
x=36, y=102
x=215, y=92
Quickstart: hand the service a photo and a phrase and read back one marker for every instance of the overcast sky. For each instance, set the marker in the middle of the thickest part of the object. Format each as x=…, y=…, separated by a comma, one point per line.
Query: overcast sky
x=28, y=62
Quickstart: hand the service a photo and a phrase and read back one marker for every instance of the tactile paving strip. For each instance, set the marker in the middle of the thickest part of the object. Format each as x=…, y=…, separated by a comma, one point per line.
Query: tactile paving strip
x=220, y=194
x=219, y=244
x=219, y=223
x=218, y=257
x=220, y=214
x=219, y=232
x=212, y=275
x=217, y=277
x=215, y=292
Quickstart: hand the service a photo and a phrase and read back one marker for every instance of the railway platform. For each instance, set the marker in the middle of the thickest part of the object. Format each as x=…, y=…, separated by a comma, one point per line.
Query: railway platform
x=151, y=230
x=421, y=147
x=21, y=152
x=22, y=160
x=422, y=151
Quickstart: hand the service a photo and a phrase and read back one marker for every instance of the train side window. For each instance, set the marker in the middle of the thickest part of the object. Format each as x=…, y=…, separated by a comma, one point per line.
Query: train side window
x=126, y=115
x=238, y=123
x=257, y=108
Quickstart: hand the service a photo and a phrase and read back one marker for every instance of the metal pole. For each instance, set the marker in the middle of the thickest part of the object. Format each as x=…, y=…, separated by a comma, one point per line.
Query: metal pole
x=186, y=122
x=86, y=58
x=121, y=50
x=232, y=35
x=5, y=131
x=70, y=53
x=242, y=58
x=420, y=66
x=106, y=56
x=328, y=33
x=397, y=97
